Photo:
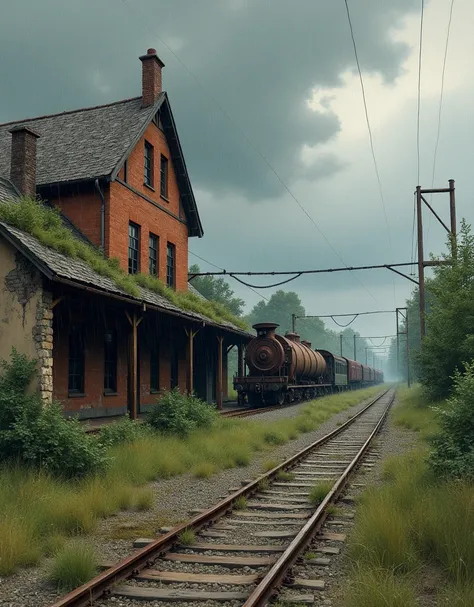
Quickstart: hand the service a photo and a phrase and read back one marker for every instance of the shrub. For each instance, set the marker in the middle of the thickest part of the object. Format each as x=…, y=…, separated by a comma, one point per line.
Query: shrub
x=180, y=414
x=73, y=566
x=187, y=537
x=40, y=436
x=125, y=430
x=240, y=503
x=319, y=492
x=453, y=454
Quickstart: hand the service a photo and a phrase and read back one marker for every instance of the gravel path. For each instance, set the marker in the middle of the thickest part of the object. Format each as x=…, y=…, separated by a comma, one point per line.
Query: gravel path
x=174, y=500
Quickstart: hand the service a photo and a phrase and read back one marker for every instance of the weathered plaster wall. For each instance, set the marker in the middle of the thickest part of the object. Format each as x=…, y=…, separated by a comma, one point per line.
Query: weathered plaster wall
x=25, y=315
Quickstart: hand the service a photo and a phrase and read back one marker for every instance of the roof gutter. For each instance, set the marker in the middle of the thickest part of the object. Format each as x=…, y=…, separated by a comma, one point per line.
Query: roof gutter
x=102, y=215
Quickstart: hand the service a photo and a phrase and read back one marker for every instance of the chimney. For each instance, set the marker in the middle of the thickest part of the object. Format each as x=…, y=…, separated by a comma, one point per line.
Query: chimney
x=266, y=329
x=293, y=337
x=151, y=77
x=305, y=342
x=23, y=160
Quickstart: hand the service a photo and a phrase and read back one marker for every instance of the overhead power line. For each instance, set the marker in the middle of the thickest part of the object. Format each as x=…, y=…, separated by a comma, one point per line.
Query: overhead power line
x=258, y=152
x=372, y=149
x=419, y=93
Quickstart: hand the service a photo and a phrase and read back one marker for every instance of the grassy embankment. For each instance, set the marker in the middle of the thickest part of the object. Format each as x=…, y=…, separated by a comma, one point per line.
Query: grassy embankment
x=414, y=533
x=38, y=512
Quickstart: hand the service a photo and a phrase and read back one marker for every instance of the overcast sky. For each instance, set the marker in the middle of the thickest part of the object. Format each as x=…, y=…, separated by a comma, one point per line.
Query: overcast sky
x=275, y=79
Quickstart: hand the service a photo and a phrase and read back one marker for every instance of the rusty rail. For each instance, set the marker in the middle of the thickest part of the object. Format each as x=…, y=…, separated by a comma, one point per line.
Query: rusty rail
x=100, y=585
x=276, y=576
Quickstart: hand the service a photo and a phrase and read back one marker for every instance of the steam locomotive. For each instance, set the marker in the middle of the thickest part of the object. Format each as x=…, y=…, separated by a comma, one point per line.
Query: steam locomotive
x=284, y=369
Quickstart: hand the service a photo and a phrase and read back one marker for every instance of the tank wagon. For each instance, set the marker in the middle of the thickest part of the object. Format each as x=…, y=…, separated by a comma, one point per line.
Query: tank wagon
x=281, y=369
x=284, y=369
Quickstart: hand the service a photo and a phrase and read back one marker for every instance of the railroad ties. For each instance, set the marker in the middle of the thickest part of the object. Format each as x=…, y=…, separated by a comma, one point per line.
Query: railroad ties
x=239, y=557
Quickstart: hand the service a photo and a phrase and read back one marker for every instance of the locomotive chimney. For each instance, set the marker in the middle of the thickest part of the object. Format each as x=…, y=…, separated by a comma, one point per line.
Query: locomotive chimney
x=293, y=337
x=305, y=342
x=266, y=329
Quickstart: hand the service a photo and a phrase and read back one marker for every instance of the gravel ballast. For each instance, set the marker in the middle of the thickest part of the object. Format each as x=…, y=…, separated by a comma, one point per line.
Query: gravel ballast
x=174, y=500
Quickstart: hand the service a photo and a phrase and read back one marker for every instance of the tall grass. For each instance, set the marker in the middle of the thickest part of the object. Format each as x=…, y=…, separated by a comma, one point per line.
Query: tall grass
x=73, y=565
x=413, y=520
x=35, y=507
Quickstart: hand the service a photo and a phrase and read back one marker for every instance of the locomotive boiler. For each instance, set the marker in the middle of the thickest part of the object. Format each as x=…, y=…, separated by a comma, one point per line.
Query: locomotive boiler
x=281, y=369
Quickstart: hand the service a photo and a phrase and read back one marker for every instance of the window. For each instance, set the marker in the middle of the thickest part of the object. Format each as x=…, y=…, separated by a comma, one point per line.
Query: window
x=133, y=248
x=76, y=361
x=154, y=368
x=125, y=171
x=148, y=164
x=153, y=254
x=164, y=176
x=174, y=362
x=110, y=362
x=170, y=265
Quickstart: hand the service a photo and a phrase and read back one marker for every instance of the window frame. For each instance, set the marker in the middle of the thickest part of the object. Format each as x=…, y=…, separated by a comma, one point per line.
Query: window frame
x=76, y=331
x=164, y=172
x=148, y=165
x=153, y=261
x=131, y=260
x=110, y=362
x=170, y=247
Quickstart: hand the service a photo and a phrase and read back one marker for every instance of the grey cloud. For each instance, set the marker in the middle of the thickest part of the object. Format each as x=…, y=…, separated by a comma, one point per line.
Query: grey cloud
x=259, y=60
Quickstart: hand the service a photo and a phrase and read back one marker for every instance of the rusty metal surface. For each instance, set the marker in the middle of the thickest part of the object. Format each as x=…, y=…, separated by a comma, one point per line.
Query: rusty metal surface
x=101, y=584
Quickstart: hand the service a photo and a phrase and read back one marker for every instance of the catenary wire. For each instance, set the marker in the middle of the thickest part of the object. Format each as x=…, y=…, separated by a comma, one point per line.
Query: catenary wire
x=419, y=93
x=371, y=140
x=219, y=268
x=259, y=153
x=438, y=131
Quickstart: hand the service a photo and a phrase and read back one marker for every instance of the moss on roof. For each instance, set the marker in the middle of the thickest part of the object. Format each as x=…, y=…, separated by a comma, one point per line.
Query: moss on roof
x=46, y=224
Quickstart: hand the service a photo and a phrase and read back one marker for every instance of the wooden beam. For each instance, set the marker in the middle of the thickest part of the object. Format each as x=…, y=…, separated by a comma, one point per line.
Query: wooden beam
x=133, y=366
x=220, y=371
x=56, y=301
x=190, y=333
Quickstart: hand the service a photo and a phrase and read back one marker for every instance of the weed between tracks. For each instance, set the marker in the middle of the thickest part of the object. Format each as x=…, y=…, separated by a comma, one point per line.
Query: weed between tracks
x=413, y=523
x=37, y=510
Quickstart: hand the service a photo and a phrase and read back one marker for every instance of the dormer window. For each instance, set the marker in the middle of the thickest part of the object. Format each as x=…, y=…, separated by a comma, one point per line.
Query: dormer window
x=148, y=164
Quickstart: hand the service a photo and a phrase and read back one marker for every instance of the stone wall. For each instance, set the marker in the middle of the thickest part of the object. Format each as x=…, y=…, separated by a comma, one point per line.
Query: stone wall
x=43, y=338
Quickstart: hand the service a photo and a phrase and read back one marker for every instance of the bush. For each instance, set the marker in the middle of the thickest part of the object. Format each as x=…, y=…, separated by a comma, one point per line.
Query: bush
x=180, y=414
x=453, y=454
x=73, y=566
x=40, y=436
x=125, y=430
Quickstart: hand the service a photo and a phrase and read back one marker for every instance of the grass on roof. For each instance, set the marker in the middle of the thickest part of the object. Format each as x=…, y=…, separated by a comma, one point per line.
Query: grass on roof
x=45, y=224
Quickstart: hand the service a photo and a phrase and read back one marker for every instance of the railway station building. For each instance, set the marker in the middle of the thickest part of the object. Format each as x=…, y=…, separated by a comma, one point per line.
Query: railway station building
x=117, y=175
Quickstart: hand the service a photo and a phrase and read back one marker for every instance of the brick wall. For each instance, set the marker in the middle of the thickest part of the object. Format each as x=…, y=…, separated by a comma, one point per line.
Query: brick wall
x=124, y=205
x=83, y=209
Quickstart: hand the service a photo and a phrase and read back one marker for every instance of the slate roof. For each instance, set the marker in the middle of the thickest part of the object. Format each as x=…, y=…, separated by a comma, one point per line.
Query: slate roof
x=7, y=190
x=94, y=142
x=60, y=268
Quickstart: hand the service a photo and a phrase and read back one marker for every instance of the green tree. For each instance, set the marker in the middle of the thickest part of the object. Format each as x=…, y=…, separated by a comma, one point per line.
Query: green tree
x=449, y=341
x=217, y=289
x=279, y=309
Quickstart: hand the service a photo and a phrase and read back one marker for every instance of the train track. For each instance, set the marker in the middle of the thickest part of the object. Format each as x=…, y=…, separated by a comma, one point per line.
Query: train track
x=226, y=564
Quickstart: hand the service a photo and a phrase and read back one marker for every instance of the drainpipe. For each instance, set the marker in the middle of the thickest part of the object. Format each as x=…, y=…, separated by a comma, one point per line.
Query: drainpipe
x=102, y=215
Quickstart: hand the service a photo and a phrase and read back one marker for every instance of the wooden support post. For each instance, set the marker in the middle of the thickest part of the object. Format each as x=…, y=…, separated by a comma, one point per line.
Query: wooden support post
x=190, y=333
x=421, y=265
x=219, y=382
x=133, y=363
x=240, y=362
x=452, y=213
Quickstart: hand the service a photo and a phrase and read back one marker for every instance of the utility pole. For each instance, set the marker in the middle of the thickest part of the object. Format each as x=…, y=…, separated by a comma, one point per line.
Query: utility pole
x=293, y=323
x=451, y=231
x=403, y=313
x=355, y=347
x=340, y=339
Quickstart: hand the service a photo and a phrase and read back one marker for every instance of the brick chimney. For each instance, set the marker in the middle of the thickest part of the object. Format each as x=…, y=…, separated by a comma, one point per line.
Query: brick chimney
x=151, y=77
x=23, y=160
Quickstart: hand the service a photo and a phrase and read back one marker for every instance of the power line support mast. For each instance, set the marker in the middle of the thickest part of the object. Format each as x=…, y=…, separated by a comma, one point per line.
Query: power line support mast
x=422, y=263
x=402, y=313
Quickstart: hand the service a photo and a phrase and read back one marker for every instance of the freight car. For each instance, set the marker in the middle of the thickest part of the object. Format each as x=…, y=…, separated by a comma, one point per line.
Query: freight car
x=281, y=369
x=284, y=369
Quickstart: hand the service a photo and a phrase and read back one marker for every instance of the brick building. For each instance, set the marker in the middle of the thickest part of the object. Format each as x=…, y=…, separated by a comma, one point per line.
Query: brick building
x=118, y=175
